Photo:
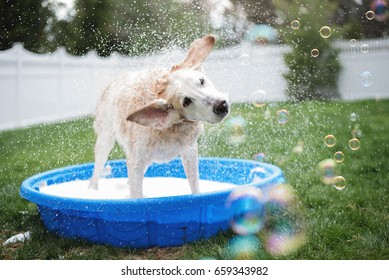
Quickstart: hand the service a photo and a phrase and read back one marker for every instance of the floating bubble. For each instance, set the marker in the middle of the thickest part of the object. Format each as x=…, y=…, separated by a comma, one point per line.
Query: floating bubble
x=259, y=98
x=353, y=117
x=327, y=171
x=314, y=52
x=380, y=8
x=325, y=32
x=282, y=116
x=354, y=144
x=330, y=140
x=364, y=48
x=339, y=157
x=259, y=157
x=282, y=193
x=236, y=130
x=247, y=204
x=243, y=247
x=279, y=244
x=366, y=78
x=295, y=24
x=370, y=15
x=353, y=43
x=339, y=183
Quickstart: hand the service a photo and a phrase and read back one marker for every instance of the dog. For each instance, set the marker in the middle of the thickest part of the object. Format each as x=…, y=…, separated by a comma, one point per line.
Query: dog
x=156, y=115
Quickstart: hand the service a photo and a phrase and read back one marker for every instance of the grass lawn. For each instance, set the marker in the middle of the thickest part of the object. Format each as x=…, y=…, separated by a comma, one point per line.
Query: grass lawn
x=348, y=224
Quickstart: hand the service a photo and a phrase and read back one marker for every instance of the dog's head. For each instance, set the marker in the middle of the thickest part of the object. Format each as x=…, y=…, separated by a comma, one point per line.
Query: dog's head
x=186, y=93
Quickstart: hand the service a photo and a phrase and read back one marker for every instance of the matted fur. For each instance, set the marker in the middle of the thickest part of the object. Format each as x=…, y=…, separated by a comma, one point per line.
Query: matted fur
x=156, y=115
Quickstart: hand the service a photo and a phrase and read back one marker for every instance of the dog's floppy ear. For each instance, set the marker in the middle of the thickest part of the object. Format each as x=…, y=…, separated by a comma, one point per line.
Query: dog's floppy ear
x=198, y=52
x=155, y=114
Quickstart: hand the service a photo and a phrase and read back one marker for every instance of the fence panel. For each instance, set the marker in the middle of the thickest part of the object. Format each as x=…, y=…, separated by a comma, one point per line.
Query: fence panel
x=45, y=88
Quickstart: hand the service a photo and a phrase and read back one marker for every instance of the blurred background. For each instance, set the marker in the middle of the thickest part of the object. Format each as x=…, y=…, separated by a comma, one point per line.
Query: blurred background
x=134, y=27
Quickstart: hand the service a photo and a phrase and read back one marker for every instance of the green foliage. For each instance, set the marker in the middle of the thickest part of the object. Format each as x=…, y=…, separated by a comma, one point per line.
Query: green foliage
x=27, y=22
x=310, y=77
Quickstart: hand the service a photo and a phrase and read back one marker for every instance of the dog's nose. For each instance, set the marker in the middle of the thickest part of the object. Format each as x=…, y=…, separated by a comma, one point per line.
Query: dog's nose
x=221, y=108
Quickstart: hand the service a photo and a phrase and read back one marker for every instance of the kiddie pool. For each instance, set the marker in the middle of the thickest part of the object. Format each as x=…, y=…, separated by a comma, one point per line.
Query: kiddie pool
x=147, y=222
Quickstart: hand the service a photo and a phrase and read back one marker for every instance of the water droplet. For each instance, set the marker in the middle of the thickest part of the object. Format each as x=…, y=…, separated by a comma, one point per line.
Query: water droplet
x=314, y=52
x=339, y=183
x=353, y=117
x=364, y=48
x=354, y=144
x=366, y=79
x=330, y=140
x=325, y=32
x=295, y=24
x=370, y=15
x=339, y=157
x=282, y=116
x=247, y=205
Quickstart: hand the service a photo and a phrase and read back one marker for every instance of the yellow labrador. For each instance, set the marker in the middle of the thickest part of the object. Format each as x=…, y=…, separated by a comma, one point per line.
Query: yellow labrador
x=156, y=115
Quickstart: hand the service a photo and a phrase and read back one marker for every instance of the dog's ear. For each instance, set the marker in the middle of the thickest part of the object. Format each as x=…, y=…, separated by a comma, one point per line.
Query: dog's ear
x=198, y=52
x=157, y=114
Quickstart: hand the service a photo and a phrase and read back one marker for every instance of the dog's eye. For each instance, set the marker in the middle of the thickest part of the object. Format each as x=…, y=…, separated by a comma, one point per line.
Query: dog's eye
x=202, y=81
x=187, y=101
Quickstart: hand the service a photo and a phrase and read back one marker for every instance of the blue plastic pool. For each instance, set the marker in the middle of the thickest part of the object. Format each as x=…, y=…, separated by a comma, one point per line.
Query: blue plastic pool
x=146, y=222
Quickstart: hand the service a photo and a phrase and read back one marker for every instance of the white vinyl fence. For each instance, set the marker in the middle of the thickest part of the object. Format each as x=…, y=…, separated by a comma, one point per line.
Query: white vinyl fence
x=52, y=87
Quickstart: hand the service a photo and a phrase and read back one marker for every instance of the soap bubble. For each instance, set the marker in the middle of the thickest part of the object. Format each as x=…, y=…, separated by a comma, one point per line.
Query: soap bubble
x=236, y=130
x=325, y=32
x=295, y=24
x=366, y=78
x=282, y=193
x=258, y=98
x=364, y=48
x=327, y=171
x=282, y=116
x=339, y=157
x=247, y=204
x=353, y=43
x=314, y=52
x=298, y=149
x=279, y=244
x=370, y=15
x=354, y=144
x=107, y=171
x=330, y=140
x=339, y=183
x=259, y=157
x=380, y=8
x=243, y=247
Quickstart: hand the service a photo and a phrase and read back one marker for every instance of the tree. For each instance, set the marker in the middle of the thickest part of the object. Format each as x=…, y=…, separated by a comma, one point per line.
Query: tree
x=28, y=22
x=313, y=62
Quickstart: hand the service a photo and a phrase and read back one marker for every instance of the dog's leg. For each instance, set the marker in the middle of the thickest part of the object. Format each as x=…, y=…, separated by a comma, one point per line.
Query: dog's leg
x=191, y=166
x=104, y=144
x=136, y=172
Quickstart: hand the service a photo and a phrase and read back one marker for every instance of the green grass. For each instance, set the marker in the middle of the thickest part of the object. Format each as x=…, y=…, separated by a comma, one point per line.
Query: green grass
x=348, y=224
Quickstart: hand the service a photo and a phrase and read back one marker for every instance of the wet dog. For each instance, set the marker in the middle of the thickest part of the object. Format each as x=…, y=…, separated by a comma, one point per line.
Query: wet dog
x=156, y=115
